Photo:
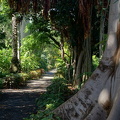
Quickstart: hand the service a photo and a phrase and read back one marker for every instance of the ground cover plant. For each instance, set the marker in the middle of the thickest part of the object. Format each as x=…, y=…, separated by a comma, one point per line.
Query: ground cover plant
x=57, y=93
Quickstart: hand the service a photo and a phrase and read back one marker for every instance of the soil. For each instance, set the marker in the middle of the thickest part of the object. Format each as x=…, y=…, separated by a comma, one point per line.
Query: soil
x=16, y=104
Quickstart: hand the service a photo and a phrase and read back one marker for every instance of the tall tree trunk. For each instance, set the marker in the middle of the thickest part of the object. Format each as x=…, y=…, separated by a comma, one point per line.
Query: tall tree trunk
x=15, y=64
x=83, y=65
x=23, y=24
x=62, y=48
x=19, y=40
x=78, y=79
x=67, y=61
x=74, y=57
x=102, y=20
x=100, y=94
x=82, y=55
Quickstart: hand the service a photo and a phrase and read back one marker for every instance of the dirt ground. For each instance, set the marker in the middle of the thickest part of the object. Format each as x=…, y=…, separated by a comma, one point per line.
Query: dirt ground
x=16, y=104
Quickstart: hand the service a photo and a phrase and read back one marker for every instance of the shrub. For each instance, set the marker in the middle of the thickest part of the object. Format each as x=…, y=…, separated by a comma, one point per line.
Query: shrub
x=15, y=80
x=1, y=83
x=95, y=61
x=2, y=74
x=5, y=59
x=29, y=62
x=36, y=74
x=57, y=93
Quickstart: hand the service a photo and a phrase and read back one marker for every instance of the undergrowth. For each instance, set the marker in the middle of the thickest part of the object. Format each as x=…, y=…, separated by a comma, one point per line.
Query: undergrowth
x=57, y=93
x=16, y=80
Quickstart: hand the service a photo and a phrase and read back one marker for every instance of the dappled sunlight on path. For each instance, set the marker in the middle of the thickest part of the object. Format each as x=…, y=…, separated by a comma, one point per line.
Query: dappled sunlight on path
x=35, y=85
x=15, y=104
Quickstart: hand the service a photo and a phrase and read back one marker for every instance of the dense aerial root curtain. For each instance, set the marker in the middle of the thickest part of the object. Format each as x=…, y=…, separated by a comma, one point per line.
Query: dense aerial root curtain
x=46, y=8
x=86, y=14
x=99, y=98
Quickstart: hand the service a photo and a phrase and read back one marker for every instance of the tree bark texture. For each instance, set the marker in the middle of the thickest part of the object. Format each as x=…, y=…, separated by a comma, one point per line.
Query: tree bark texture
x=15, y=64
x=83, y=66
x=99, y=98
x=102, y=20
x=82, y=52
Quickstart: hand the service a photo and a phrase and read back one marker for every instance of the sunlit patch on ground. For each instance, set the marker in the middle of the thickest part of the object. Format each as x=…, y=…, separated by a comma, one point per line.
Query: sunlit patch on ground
x=15, y=104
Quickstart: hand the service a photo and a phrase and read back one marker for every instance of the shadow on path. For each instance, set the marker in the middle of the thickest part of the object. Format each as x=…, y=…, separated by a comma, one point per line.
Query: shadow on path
x=16, y=104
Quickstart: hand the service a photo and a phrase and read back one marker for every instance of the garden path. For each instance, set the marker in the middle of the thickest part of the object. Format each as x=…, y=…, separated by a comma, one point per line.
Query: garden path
x=16, y=104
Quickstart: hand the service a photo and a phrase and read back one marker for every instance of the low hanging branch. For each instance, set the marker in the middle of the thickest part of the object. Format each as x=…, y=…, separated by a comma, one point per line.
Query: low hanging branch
x=54, y=40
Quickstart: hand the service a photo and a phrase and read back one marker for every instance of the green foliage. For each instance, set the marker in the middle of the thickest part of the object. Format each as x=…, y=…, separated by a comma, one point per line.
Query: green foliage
x=102, y=43
x=5, y=59
x=50, y=54
x=3, y=74
x=64, y=17
x=15, y=80
x=5, y=25
x=43, y=115
x=36, y=53
x=1, y=83
x=61, y=68
x=32, y=43
x=36, y=74
x=29, y=62
x=56, y=94
x=95, y=61
x=63, y=71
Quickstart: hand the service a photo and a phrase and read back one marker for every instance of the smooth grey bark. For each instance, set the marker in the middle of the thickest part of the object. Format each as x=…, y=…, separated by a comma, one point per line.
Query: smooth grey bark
x=78, y=70
x=23, y=25
x=101, y=35
x=19, y=40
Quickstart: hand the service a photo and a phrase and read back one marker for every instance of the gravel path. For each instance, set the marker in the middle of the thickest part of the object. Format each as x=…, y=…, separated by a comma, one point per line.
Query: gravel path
x=16, y=104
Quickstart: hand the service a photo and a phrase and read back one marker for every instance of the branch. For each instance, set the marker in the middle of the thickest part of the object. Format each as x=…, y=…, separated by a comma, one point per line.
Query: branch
x=54, y=40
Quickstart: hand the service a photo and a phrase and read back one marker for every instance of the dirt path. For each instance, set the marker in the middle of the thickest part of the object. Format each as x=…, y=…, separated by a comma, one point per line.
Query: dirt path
x=16, y=104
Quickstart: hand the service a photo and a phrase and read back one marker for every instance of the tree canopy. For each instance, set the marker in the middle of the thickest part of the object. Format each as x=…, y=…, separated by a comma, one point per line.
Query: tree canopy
x=62, y=34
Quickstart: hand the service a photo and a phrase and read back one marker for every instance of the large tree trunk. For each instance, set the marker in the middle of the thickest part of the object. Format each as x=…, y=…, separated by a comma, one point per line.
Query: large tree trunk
x=99, y=97
x=82, y=52
x=15, y=64
x=83, y=65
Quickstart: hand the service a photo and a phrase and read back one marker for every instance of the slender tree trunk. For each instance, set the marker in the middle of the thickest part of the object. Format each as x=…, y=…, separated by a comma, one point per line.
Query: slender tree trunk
x=15, y=64
x=78, y=79
x=67, y=62
x=100, y=93
x=74, y=56
x=62, y=47
x=102, y=20
x=19, y=40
